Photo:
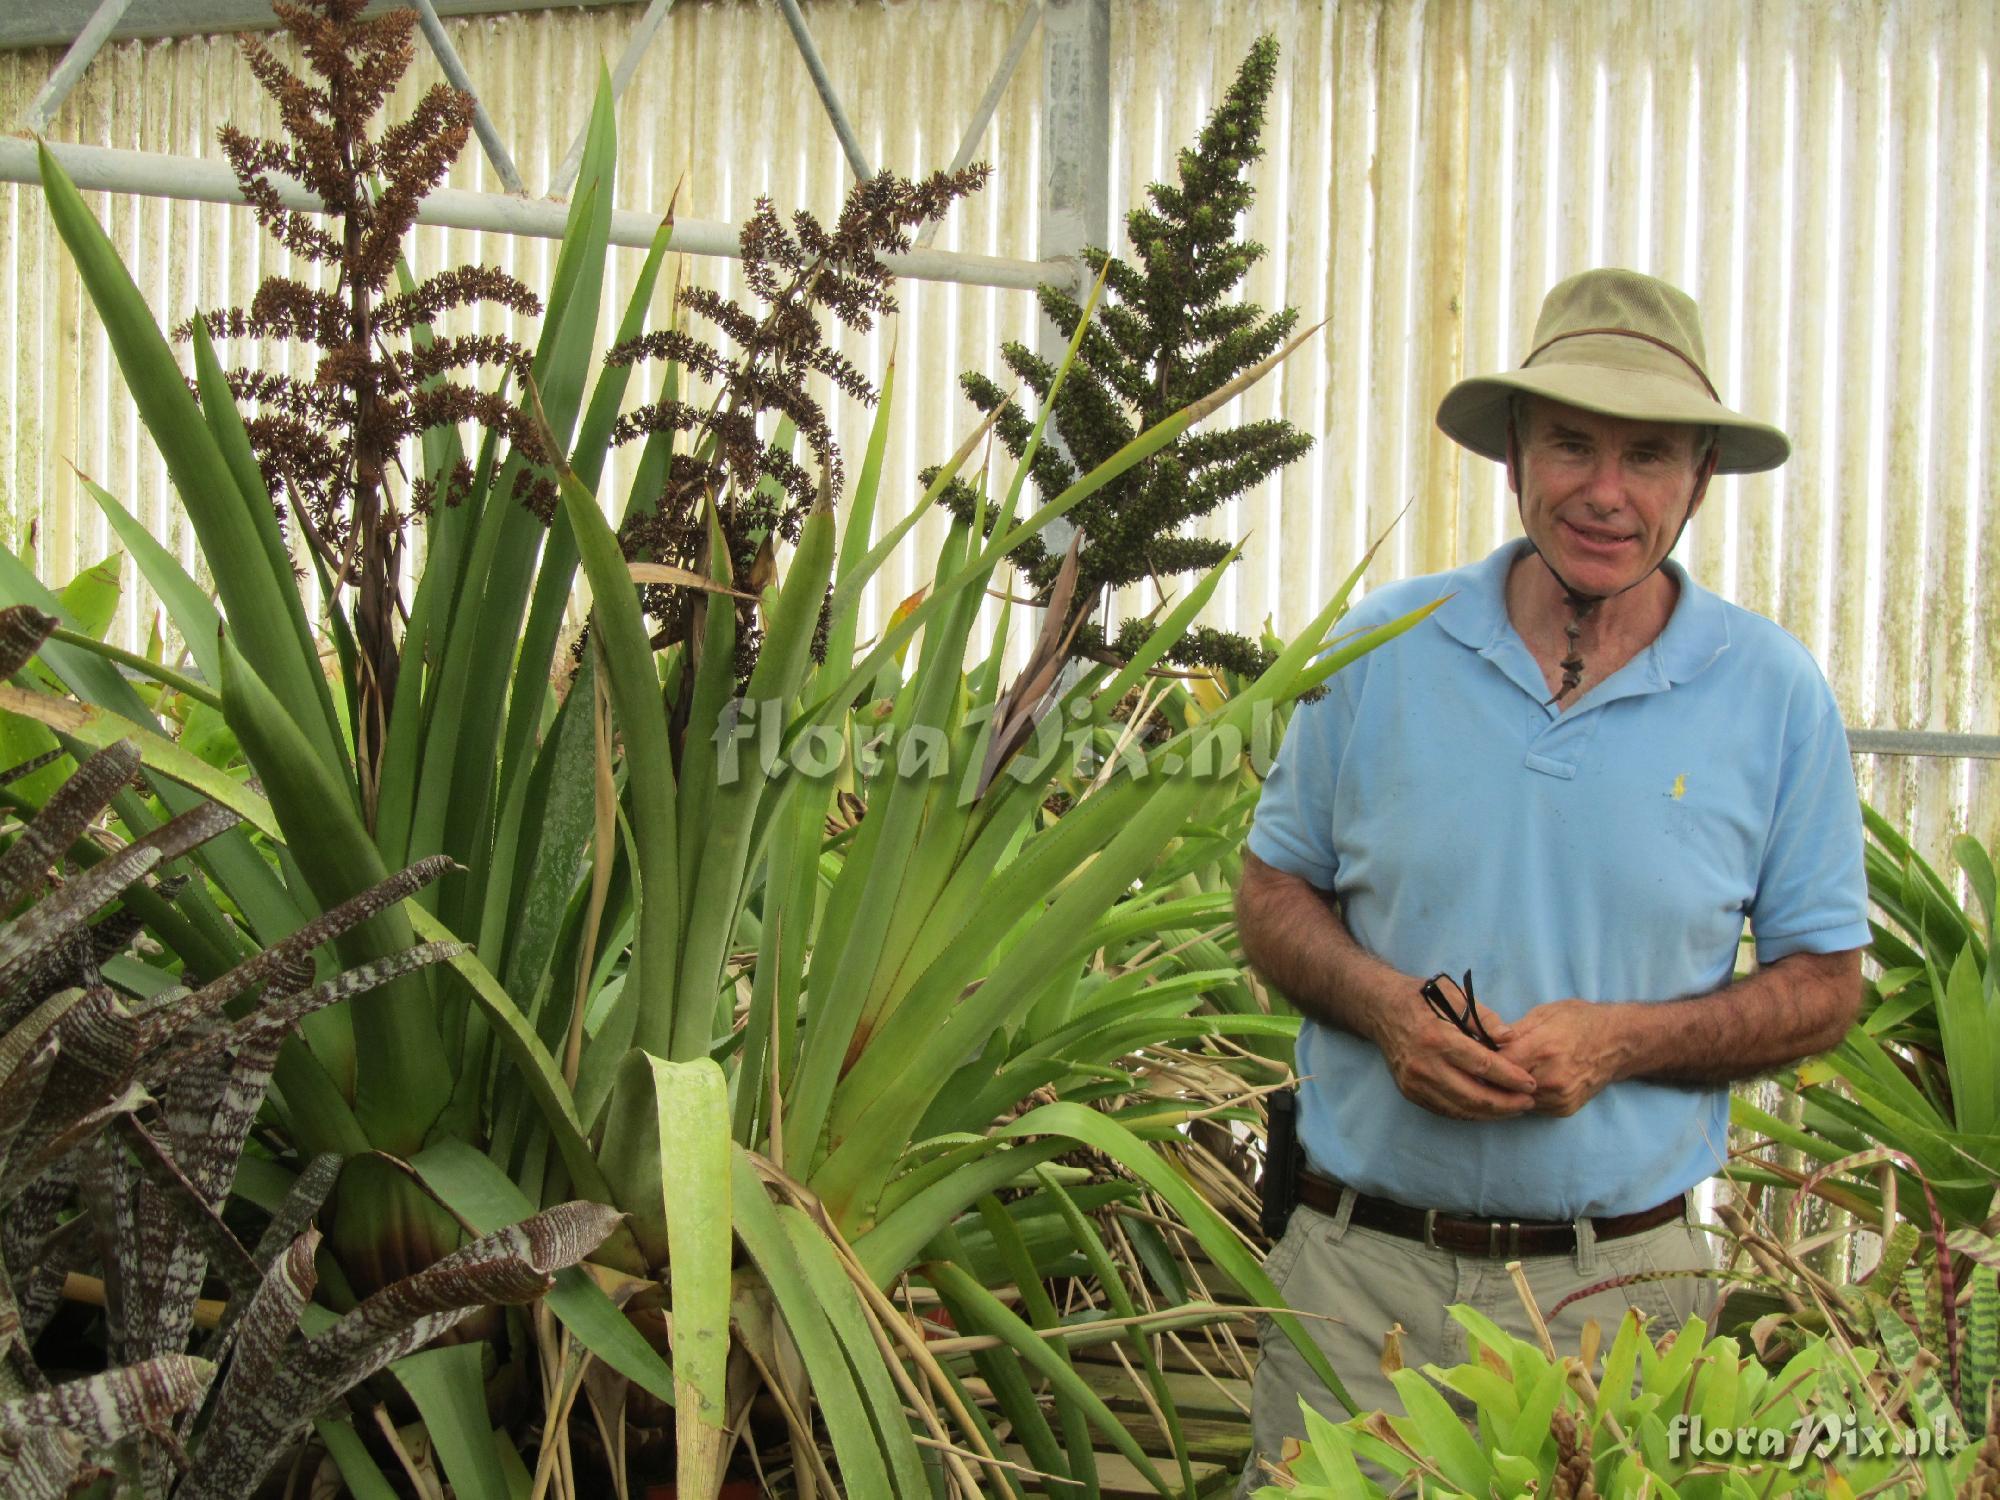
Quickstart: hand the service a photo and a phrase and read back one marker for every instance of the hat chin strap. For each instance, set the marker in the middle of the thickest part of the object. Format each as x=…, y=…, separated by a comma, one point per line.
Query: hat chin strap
x=1575, y=596
x=1582, y=605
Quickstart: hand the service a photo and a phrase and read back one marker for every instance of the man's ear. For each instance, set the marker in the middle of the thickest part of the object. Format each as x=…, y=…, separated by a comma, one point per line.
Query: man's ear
x=1701, y=479
x=1514, y=459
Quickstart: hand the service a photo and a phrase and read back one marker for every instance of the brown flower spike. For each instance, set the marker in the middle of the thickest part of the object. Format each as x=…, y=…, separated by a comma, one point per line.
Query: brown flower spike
x=329, y=447
x=1574, y=1477
x=720, y=453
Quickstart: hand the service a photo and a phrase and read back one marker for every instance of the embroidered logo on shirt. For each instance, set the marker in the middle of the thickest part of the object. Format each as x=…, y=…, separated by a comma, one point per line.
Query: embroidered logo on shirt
x=1679, y=817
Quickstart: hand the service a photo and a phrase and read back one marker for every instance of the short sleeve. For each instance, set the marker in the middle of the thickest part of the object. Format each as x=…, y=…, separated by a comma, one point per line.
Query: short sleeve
x=1293, y=831
x=1812, y=889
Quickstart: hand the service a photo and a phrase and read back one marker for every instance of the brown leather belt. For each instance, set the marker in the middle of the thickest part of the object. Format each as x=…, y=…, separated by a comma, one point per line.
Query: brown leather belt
x=1509, y=1237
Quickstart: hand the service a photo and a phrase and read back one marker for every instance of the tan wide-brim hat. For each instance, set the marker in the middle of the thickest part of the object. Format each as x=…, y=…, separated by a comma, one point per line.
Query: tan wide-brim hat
x=1624, y=345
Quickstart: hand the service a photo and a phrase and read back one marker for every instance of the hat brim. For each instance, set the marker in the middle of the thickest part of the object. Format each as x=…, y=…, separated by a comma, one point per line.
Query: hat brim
x=1474, y=412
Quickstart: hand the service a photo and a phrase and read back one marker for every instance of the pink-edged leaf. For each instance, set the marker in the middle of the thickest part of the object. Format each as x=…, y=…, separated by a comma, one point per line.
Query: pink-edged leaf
x=1974, y=1245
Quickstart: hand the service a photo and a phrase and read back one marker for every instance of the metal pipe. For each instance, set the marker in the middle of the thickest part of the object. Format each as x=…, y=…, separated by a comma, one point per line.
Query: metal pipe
x=454, y=71
x=628, y=65
x=795, y=18
x=1075, y=187
x=96, y=31
x=1934, y=744
x=55, y=23
x=150, y=174
x=1017, y=44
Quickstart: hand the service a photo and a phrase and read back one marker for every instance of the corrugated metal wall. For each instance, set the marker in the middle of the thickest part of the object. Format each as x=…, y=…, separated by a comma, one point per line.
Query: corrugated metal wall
x=1819, y=174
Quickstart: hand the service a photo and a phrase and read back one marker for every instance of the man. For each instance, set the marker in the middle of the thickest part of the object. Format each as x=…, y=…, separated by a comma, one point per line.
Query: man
x=1575, y=779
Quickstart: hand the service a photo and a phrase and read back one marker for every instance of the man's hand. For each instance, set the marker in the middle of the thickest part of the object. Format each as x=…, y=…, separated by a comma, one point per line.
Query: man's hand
x=1789, y=1008
x=1293, y=933
x=1439, y=1067
x=1571, y=1047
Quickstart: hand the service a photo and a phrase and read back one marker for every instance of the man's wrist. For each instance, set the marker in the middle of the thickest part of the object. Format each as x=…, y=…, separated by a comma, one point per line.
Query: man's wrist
x=1632, y=1031
x=1394, y=1002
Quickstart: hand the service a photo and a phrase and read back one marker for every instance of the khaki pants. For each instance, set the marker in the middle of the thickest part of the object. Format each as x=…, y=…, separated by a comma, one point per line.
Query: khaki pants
x=1367, y=1280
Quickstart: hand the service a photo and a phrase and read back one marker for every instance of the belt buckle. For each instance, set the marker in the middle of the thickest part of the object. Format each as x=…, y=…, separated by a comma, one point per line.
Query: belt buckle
x=1493, y=1235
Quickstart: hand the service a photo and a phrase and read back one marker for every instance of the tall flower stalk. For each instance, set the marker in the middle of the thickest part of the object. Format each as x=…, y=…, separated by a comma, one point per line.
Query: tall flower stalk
x=725, y=457
x=1172, y=329
x=329, y=445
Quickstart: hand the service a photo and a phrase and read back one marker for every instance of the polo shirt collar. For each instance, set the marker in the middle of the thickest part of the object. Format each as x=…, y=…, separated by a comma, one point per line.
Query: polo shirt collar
x=1476, y=615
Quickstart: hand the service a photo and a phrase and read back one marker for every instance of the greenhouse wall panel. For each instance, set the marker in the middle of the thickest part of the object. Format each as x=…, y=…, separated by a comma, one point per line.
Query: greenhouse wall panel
x=1819, y=174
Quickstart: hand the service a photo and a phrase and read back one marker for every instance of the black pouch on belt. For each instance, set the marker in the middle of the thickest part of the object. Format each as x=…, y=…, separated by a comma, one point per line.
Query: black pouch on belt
x=1281, y=1162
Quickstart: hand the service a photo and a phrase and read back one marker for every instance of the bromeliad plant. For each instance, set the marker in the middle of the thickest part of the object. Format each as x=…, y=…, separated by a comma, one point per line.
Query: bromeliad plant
x=125, y=1102
x=1691, y=1415
x=1897, y=1128
x=329, y=448
x=796, y=958
x=917, y=984
x=1928, y=1311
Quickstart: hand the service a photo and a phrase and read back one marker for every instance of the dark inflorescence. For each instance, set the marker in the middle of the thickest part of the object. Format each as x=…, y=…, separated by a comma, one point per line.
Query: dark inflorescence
x=758, y=362
x=1163, y=336
x=327, y=444
x=330, y=446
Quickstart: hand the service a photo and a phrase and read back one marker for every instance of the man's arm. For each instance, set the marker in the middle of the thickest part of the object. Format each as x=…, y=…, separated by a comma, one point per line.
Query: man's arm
x=1790, y=1008
x=1293, y=933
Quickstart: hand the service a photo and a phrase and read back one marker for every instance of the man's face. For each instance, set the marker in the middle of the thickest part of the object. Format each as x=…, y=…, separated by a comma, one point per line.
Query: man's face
x=1603, y=497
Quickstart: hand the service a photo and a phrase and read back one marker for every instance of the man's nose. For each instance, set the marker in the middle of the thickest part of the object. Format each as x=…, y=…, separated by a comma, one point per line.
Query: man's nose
x=1604, y=487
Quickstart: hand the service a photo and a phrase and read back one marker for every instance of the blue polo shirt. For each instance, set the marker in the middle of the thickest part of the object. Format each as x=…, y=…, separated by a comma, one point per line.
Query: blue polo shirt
x=1609, y=852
